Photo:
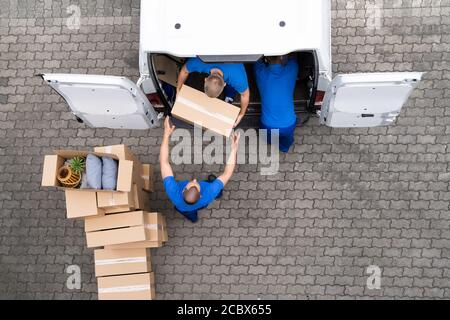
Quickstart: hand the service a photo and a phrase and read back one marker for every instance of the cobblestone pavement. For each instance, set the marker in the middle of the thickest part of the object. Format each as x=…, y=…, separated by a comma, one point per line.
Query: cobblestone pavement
x=343, y=200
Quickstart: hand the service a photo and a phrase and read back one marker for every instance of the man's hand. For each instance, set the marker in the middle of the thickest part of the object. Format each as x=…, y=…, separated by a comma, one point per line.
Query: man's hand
x=232, y=159
x=235, y=141
x=168, y=127
x=238, y=120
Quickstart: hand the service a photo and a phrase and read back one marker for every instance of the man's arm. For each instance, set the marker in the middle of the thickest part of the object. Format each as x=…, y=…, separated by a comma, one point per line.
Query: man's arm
x=245, y=100
x=166, y=169
x=231, y=163
x=182, y=77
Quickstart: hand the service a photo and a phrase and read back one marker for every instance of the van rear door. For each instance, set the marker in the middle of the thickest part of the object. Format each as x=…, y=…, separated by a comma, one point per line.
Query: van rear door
x=367, y=99
x=104, y=101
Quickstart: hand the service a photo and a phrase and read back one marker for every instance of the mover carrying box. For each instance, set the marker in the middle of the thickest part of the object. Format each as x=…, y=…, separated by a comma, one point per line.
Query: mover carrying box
x=82, y=203
x=139, y=286
x=120, y=228
x=196, y=107
x=52, y=163
x=118, y=262
x=157, y=241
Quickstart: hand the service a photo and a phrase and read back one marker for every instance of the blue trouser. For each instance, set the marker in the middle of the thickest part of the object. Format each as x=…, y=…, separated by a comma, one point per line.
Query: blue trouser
x=285, y=135
x=193, y=215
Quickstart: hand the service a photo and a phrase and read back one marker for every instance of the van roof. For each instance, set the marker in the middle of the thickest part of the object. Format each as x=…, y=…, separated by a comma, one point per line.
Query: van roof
x=235, y=27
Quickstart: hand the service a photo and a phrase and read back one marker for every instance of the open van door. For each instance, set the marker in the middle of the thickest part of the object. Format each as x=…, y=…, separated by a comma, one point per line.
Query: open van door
x=104, y=101
x=367, y=99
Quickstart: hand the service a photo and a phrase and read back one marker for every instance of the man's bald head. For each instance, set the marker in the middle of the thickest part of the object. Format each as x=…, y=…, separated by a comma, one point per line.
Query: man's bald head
x=191, y=195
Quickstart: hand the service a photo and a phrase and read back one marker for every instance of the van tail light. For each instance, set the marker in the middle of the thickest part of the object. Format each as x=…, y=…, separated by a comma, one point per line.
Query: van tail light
x=319, y=98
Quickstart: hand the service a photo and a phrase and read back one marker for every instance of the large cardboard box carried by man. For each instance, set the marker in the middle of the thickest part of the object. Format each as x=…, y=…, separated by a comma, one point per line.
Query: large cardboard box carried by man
x=196, y=107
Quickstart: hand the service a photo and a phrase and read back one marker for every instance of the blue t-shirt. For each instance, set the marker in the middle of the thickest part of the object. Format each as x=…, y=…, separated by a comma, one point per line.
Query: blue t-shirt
x=276, y=84
x=233, y=73
x=208, y=192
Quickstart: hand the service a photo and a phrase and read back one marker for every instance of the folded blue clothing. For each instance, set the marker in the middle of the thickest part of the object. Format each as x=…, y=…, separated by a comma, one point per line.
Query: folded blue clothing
x=109, y=173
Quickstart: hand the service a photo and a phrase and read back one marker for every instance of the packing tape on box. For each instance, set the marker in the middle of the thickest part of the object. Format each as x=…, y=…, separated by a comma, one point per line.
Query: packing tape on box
x=199, y=108
x=106, y=262
x=112, y=201
x=153, y=226
x=144, y=287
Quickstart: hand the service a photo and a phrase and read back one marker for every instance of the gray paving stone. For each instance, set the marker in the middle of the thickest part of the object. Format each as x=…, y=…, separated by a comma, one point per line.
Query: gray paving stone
x=343, y=200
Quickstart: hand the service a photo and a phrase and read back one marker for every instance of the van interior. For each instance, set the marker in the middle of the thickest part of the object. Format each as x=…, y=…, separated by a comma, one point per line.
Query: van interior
x=304, y=95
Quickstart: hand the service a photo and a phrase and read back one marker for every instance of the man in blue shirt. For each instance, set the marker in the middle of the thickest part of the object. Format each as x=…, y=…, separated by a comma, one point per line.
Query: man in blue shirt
x=190, y=196
x=229, y=76
x=276, y=81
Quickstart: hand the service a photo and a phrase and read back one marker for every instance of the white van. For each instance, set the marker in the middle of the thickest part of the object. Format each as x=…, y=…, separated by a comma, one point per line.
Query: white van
x=236, y=31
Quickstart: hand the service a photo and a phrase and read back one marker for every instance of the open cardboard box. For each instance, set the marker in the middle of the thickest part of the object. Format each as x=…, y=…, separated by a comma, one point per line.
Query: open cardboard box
x=117, y=262
x=122, y=152
x=195, y=107
x=52, y=163
x=120, y=228
x=139, y=286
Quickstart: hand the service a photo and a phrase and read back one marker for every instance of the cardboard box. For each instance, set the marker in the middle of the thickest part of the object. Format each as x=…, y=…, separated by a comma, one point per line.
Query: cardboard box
x=196, y=107
x=82, y=203
x=115, y=202
x=121, y=151
x=155, y=242
x=118, y=262
x=165, y=234
x=53, y=162
x=147, y=175
x=166, y=69
x=122, y=228
x=139, y=286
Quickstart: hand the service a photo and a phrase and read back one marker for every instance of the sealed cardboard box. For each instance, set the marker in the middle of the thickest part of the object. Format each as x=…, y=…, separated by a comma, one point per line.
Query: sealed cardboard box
x=118, y=262
x=135, y=245
x=52, y=163
x=139, y=286
x=122, y=228
x=147, y=176
x=81, y=203
x=115, y=202
x=156, y=223
x=196, y=107
x=116, y=199
x=165, y=235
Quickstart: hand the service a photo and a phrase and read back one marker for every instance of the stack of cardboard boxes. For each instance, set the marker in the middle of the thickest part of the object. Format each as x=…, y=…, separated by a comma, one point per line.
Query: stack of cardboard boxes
x=118, y=223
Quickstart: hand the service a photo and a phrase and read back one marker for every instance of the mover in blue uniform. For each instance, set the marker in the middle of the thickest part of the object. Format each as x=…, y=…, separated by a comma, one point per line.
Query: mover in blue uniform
x=190, y=196
x=231, y=78
x=276, y=78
